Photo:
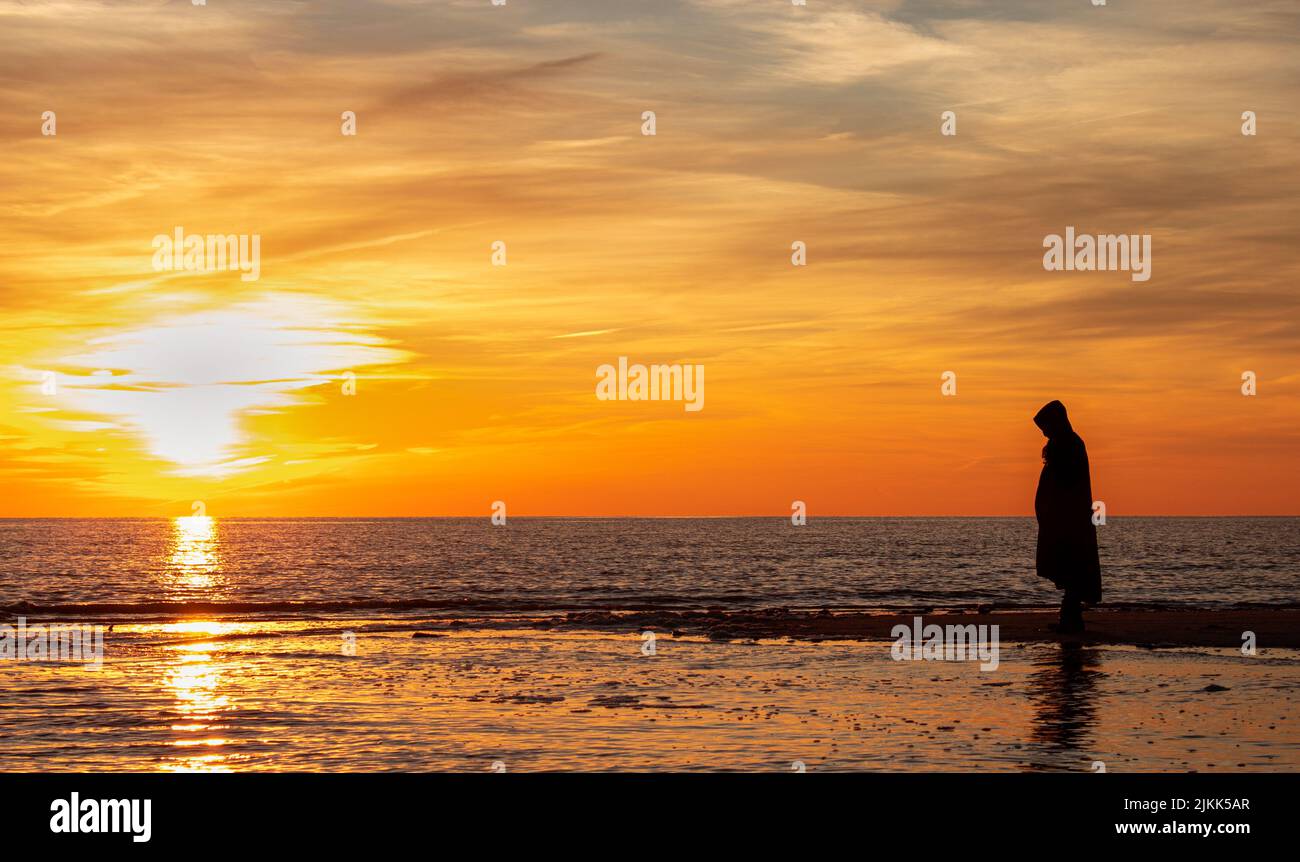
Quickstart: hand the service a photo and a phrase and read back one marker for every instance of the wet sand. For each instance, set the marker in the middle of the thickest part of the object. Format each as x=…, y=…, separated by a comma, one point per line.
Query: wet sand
x=1165, y=627
x=273, y=696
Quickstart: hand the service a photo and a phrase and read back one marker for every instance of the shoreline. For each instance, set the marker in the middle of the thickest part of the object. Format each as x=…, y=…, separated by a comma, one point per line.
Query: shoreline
x=1142, y=627
x=1273, y=628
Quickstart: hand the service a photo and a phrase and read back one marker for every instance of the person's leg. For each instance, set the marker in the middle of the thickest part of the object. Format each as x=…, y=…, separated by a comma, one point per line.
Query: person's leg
x=1071, y=612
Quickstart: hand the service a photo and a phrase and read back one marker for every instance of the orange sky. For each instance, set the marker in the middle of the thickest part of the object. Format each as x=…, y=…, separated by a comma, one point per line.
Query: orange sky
x=523, y=124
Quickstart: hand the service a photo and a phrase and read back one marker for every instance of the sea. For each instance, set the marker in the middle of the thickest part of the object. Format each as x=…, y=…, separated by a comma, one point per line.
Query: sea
x=125, y=567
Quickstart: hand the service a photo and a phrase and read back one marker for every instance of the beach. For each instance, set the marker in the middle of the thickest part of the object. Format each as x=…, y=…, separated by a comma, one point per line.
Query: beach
x=552, y=695
x=1279, y=628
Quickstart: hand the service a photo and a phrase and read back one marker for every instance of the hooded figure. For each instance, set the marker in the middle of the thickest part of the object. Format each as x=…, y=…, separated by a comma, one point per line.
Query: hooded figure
x=1067, y=538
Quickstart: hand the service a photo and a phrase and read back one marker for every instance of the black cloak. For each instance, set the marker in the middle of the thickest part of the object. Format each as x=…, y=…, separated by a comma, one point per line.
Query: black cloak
x=1067, y=538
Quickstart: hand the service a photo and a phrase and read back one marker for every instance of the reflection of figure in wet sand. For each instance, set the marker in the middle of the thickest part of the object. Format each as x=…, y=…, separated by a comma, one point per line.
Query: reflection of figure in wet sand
x=1062, y=690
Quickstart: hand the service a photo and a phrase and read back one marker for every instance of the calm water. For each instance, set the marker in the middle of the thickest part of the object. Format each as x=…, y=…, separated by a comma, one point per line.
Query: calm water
x=124, y=567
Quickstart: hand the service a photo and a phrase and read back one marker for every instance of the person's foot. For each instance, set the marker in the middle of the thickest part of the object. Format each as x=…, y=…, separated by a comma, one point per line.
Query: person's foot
x=1071, y=616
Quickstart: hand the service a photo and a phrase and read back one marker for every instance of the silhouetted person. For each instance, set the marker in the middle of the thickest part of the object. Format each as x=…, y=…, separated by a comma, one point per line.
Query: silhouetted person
x=1067, y=538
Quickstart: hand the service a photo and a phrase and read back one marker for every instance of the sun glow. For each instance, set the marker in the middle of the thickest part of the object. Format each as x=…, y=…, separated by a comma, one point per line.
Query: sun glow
x=184, y=384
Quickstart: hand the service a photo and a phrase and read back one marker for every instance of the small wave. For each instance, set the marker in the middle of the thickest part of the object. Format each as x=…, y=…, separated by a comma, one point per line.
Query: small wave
x=469, y=607
x=205, y=608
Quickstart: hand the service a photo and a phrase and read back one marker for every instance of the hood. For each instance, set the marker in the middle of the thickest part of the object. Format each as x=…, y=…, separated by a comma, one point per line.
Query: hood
x=1052, y=421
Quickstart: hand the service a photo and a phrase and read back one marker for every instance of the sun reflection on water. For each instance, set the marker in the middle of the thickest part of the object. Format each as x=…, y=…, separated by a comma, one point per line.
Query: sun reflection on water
x=194, y=562
x=195, y=677
x=195, y=680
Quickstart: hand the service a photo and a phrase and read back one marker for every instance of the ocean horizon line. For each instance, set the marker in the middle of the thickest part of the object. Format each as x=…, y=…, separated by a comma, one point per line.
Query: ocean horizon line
x=513, y=517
